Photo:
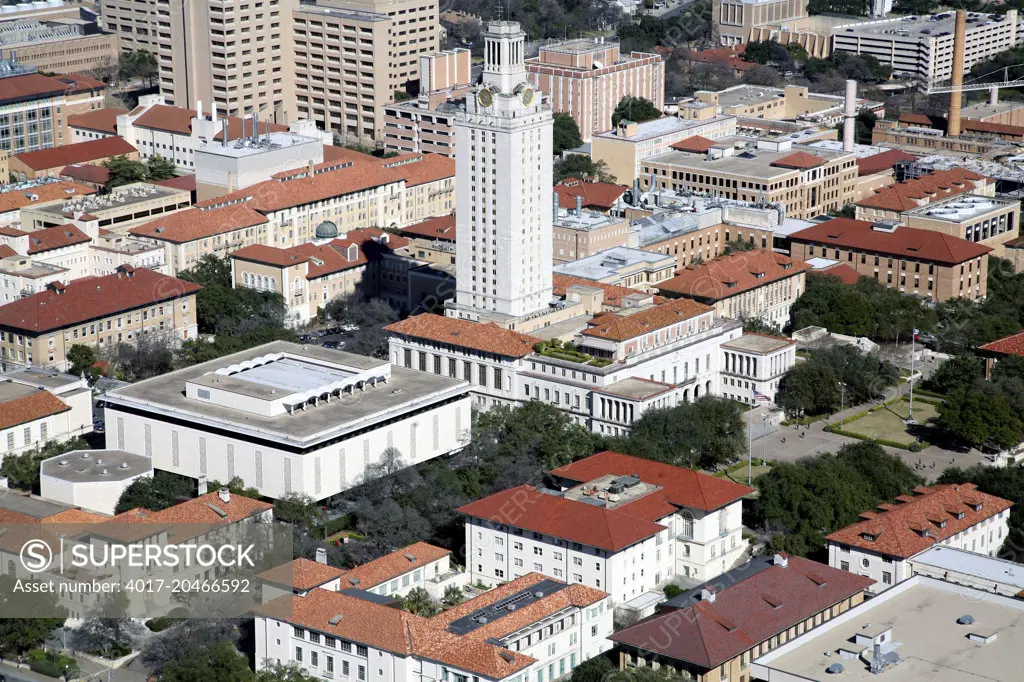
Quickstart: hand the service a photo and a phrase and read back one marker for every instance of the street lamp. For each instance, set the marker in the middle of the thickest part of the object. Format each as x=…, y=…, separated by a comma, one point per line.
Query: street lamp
x=842, y=402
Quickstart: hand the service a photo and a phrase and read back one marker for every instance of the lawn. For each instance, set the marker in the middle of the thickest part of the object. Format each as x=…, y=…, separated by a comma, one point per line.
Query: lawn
x=740, y=475
x=887, y=423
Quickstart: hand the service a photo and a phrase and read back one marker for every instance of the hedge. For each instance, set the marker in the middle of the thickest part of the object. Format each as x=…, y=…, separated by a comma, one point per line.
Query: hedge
x=50, y=663
x=343, y=522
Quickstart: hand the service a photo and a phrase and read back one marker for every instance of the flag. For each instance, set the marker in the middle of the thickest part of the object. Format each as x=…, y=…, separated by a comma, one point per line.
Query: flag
x=915, y=335
x=761, y=397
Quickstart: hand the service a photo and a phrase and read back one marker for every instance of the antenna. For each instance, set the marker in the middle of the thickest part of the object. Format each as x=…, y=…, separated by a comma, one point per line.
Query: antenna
x=499, y=10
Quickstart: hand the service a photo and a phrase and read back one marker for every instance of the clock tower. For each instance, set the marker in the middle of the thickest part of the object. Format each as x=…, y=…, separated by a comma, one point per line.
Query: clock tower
x=503, y=189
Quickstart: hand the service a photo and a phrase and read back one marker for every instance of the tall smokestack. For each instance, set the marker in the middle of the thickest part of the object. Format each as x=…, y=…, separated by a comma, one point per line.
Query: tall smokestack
x=993, y=96
x=850, y=115
x=224, y=131
x=957, y=79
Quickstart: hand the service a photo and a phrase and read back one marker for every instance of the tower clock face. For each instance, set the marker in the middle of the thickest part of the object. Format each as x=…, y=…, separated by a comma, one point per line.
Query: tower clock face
x=485, y=98
x=527, y=96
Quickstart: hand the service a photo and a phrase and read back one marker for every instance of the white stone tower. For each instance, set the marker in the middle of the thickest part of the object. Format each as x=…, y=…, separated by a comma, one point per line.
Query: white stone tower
x=503, y=185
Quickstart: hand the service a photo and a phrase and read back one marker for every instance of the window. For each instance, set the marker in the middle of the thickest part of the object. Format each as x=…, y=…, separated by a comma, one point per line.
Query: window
x=314, y=659
x=361, y=650
x=844, y=565
x=330, y=664
x=298, y=654
x=539, y=551
x=887, y=577
x=300, y=633
x=361, y=672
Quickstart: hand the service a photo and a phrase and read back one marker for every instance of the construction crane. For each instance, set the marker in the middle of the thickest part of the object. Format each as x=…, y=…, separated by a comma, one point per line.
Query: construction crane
x=992, y=87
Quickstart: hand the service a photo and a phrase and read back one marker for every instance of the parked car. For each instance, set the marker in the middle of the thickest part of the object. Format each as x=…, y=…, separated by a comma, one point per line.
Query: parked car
x=98, y=427
x=349, y=328
x=334, y=344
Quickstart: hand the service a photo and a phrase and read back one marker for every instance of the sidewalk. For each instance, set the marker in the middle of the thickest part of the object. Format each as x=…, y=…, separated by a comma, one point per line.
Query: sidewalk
x=15, y=674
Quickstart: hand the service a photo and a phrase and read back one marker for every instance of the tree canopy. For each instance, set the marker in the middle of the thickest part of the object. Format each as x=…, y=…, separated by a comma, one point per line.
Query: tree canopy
x=565, y=133
x=161, y=490
x=369, y=317
x=22, y=471
x=636, y=109
x=813, y=387
x=868, y=308
x=220, y=662
x=581, y=166
x=18, y=635
x=802, y=502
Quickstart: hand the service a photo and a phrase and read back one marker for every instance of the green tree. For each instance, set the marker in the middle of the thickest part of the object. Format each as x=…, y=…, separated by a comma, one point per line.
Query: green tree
x=298, y=509
x=593, y=670
x=801, y=502
x=159, y=168
x=214, y=663
x=161, y=490
x=453, y=596
x=139, y=64
x=581, y=166
x=223, y=309
x=707, y=432
x=18, y=635
x=22, y=471
x=757, y=325
x=565, y=133
x=812, y=387
x=278, y=672
x=418, y=601
x=82, y=359
x=957, y=373
x=124, y=171
x=980, y=416
x=636, y=109
x=236, y=486
x=847, y=211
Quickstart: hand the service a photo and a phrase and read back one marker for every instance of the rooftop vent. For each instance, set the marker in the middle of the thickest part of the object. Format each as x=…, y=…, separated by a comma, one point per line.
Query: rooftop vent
x=124, y=465
x=966, y=619
x=983, y=637
x=411, y=557
x=335, y=619
x=217, y=510
x=835, y=669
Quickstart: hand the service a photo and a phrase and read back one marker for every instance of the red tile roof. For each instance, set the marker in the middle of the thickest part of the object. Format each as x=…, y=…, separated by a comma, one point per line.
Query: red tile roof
x=731, y=275
x=76, y=82
x=30, y=407
x=17, y=199
x=994, y=128
x=681, y=487
x=743, y=614
x=194, y=223
x=334, y=154
x=844, y=272
x=29, y=86
x=613, y=293
x=397, y=631
x=696, y=144
x=333, y=256
x=920, y=119
x=59, y=237
x=1010, y=345
x=100, y=120
x=799, y=160
x=201, y=509
x=617, y=327
x=178, y=120
x=876, y=163
x=726, y=55
x=61, y=306
x=903, y=196
x=441, y=227
x=6, y=251
x=905, y=242
x=489, y=338
x=275, y=195
x=528, y=508
x=599, y=195
x=393, y=565
x=913, y=523
x=302, y=574
x=86, y=172
x=186, y=182
x=80, y=152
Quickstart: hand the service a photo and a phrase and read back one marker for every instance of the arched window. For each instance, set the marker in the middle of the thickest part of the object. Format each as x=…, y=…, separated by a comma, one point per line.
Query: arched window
x=273, y=283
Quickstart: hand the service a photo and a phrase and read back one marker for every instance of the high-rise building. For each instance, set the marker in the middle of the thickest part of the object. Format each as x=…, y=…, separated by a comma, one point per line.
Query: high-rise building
x=237, y=56
x=504, y=204
x=353, y=56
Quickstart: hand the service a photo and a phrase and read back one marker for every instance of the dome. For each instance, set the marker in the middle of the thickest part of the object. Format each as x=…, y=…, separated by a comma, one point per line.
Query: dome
x=326, y=230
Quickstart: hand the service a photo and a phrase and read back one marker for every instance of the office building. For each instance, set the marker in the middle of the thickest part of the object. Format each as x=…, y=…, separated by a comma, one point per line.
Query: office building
x=588, y=77
x=99, y=312
x=921, y=47
x=62, y=38
x=359, y=263
x=805, y=182
x=753, y=365
x=529, y=629
x=624, y=149
x=239, y=58
x=758, y=284
x=39, y=406
x=432, y=240
x=911, y=260
x=34, y=109
x=970, y=569
x=890, y=202
x=881, y=545
x=793, y=102
x=288, y=419
x=923, y=630
x=735, y=19
x=714, y=632
x=118, y=211
x=503, y=170
x=621, y=266
x=994, y=111
x=353, y=57
x=15, y=197
x=980, y=219
x=614, y=522
x=427, y=123
x=580, y=233
x=51, y=162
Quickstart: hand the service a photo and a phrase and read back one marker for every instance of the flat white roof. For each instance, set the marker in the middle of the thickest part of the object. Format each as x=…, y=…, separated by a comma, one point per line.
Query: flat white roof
x=611, y=261
x=821, y=263
x=292, y=374
x=930, y=644
x=970, y=563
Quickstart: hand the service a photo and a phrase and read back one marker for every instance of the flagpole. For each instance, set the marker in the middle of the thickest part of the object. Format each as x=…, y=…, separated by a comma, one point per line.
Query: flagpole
x=750, y=443
x=913, y=338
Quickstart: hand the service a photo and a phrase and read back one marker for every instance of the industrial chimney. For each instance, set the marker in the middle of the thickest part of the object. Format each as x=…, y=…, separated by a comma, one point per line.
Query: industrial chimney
x=850, y=115
x=957, y=78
